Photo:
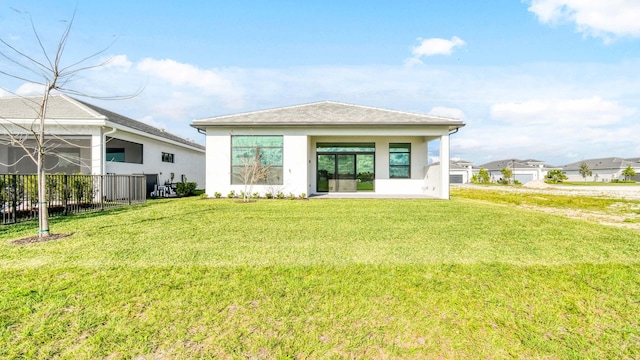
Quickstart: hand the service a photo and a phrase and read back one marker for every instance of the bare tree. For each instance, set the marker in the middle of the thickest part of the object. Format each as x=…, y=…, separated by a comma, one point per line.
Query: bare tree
x=47, y=70
x=252, y=172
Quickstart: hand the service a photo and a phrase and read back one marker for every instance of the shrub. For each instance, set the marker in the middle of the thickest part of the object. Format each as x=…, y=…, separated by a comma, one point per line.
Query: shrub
x=217, y=195
x=622, y=181
x=203, y=196
x=231, y=194
x=185, y=188
x=255, y=195
x=280, y=195
x=268, y=195
x=556, y=176
x=292, y=196
x=303, y=196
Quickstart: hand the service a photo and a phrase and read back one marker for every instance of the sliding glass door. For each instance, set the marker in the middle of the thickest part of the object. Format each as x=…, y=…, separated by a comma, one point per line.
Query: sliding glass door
x=345, y=167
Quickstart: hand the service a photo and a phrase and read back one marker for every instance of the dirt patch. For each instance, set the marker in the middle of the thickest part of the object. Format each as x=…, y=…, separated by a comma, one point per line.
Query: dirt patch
x=36, y=239
x=598, y=217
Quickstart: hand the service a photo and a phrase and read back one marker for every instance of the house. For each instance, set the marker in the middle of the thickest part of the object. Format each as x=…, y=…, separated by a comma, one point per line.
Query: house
x=84, y=138
x=523, y=170
x=604, y=169
x=328, y=147
x=460, y=171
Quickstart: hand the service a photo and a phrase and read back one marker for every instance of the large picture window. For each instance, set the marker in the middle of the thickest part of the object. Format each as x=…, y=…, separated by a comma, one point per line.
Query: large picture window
x=263, y=152
x=400, y=161
x=118, y=150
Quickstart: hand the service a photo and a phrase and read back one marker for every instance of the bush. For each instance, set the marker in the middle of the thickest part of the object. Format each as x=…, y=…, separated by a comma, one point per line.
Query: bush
x=280, y=195
x=185, y=188
x=231, y=194
x=303, y=196
x=623, y=181
x=268, y=195
x=217, y=195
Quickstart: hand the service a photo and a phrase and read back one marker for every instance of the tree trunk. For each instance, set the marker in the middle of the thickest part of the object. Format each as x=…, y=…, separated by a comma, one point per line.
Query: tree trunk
x=43, y=209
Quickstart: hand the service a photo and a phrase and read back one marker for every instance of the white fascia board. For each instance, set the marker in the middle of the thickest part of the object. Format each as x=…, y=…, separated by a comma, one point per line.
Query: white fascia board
x=67, y=122
x=332, y=131
x=151, y=136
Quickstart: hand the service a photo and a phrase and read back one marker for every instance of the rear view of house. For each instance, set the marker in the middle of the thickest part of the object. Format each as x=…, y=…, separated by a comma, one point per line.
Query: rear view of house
x=329, y=147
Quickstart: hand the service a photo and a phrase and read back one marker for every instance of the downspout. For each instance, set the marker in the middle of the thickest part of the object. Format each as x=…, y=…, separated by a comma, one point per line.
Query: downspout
x=449, y=144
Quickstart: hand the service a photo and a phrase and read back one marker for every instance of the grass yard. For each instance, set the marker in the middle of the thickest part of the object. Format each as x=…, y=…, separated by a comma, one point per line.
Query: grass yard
x=183, y=278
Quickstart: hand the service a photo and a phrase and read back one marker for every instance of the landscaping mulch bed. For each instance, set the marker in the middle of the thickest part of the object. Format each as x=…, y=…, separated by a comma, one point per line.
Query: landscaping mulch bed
x=37, y=239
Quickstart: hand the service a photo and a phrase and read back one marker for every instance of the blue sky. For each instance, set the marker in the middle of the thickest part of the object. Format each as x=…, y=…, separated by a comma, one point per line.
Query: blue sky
x=554, y=80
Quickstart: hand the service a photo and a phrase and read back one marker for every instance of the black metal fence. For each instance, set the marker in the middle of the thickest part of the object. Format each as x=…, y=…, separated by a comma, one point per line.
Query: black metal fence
x=67, y=194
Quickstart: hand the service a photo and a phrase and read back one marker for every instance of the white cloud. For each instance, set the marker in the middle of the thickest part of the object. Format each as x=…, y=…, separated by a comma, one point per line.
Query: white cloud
x=436, y=46
x=545, y=111
x=598, y=18
x=447, y=112
x=186, y=79
x=117, y=61
x=564, y=112
x=29, y=89
x=183, y=74
x=431, y=47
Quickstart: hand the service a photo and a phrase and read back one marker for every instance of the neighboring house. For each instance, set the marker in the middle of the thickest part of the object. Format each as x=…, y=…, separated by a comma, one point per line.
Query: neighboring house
x=523, y=170
x=460, y=171
x=329, y=147
x=84, y=138
x=604, y=169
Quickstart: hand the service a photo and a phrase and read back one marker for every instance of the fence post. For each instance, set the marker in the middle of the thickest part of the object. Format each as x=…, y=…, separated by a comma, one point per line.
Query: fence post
x=14, y=203
x=65, y=189
x=102, y=196
x=129, y=177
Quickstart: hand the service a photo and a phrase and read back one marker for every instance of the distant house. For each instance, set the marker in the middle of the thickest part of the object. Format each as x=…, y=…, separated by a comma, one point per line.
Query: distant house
x=523, y=170
x=460, y=171
x=604, y=169
x=329, y=147
x=84, y=138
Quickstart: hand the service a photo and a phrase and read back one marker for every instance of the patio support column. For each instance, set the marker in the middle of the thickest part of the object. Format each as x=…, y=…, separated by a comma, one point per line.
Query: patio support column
x=444, y=166
x=97, y=153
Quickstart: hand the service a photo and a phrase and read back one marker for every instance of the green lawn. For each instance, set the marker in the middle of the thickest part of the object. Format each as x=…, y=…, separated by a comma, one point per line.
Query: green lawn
x=184, y=278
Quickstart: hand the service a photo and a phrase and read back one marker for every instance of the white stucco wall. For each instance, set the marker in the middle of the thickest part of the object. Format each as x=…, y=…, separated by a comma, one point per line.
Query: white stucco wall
x=187, y=162
x=431, y=183
x=300, y=163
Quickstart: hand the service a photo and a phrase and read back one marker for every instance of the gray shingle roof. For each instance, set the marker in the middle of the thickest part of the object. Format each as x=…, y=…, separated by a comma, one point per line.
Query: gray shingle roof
x=59, y=107
x=327, y=113
x=511, y=163
x=603, y=163
x=65, y=107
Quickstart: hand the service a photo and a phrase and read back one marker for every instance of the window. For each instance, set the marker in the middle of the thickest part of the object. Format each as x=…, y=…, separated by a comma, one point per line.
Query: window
x=400, y=161
x=166, y=157
x=264, y=151
x=115, y=154
x=123, y=151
